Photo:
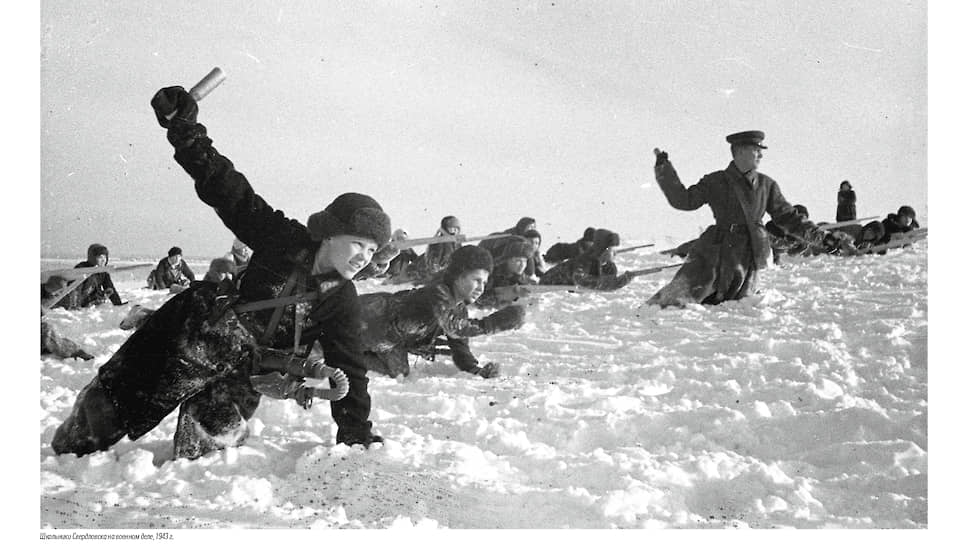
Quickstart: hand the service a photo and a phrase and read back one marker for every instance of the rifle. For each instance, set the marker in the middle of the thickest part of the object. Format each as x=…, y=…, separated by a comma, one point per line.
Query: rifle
x=897, y=240
x=511, y=292
x=405, y=244
x=72, y=273
x=653, y=270
x=633, y=248
x=80, y=274
x=829, y=226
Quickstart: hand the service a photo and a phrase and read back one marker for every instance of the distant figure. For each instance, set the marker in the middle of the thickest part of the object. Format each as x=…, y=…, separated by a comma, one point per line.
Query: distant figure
x=398, y=265
x=846, y=203
x=51, y=342
x=903, y=221
x=593, y=269
x=171, y=272
x=722, y=265
x=418, y=320
x=220, y=269
x=241, y=254
x=496, y=245
x=97, y=288
x=536, y=266
x=509, y=270
x=438, y=255
x=562, y=251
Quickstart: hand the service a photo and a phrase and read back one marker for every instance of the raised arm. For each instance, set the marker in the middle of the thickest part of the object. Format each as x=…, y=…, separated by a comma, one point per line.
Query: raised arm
x=217, y=182
x=678, y=196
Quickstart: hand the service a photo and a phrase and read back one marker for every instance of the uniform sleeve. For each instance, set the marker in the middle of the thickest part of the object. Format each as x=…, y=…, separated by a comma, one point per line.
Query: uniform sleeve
x=227, y=190
x=783, y=214
x=460, y=351
x=678, y=196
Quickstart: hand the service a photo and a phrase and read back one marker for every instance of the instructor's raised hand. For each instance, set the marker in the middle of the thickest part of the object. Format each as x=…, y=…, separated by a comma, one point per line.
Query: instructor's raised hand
x=174, y=103
x=661, y=157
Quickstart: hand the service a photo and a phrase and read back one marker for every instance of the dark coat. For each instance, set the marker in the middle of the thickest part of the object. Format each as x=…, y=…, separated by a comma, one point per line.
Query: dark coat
x=193, y=347
x=96, y=289
x=411, y=321
x=722, y=264
x=398, y=265
x=165, y=275
x=500, y=278
x=586, y=270
x=846, y=205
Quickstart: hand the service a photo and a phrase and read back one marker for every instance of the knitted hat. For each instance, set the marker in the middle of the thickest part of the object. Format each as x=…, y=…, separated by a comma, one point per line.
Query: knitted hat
x=467, y=258
x=174, y=251
x=353, y=214
x=603, y=240
x=94, y=250
x=449, y=222
x=517, y=248
x=908, y=211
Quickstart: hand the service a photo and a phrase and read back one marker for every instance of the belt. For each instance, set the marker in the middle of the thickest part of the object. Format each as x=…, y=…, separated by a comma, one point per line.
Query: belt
x=732, y=227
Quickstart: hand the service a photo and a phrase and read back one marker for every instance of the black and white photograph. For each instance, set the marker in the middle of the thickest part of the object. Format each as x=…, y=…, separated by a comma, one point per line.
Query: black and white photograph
x=484, y=265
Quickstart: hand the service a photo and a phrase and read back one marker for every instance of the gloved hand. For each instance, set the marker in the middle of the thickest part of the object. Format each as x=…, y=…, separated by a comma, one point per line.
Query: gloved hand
x=176, y=102
x=351, y=438
x=661, y=157
x=504, y=319
x=490, y=370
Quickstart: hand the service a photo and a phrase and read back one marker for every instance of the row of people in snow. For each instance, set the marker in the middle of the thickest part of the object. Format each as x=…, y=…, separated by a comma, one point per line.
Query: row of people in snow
x=203, y=350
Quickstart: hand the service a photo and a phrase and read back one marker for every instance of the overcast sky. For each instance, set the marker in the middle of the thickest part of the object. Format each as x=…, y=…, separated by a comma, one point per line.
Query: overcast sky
x=487, y=111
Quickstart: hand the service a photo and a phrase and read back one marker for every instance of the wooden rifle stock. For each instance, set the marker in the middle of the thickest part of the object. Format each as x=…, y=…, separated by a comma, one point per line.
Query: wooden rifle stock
x=72, y=273
x=633, y=248
x=413, y=242
x=829, y=226
x=653, y=270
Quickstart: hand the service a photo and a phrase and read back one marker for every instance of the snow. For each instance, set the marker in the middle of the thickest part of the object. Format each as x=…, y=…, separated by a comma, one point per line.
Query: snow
x=804, y=406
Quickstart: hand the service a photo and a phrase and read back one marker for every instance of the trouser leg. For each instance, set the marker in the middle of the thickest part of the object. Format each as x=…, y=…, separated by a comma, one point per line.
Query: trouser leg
x=93, y=424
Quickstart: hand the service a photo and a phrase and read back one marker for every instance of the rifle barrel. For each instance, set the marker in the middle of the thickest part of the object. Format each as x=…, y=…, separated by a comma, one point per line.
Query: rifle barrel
x=413, y=242
x=633, y=248
x=829, y=226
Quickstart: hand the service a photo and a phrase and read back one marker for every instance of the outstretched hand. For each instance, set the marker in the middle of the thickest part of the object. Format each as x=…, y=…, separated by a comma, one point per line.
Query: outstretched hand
x=661, y=157
x=174, y=103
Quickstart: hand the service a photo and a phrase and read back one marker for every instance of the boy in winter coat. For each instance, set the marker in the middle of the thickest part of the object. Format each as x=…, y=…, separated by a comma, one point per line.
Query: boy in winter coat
x=496, y=245
x=722, y=265
x=221, y=268
x=562, y=251
x=536, y=266
x=593, y=269
x=171, y=271
x=97, y=288
x=395, y=324
x=509, y=270
x=198, y=351
x=905, y=220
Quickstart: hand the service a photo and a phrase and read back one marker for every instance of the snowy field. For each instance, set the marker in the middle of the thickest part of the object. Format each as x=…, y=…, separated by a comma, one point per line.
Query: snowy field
x=802, y=407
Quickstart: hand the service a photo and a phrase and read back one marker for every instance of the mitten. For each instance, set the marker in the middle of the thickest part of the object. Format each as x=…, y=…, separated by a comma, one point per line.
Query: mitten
x=173, y=103
x=504, y=319
x=661, y=157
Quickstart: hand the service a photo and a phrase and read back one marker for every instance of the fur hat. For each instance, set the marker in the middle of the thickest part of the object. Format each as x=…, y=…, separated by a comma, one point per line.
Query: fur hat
x=603, y=240
x=94, y=250
x=222, y=265
x=174, y=251
x=801, y=210
x=354, y=214
x=589, y=234
x=517, y=248
x=522, y=223
x=908, y=211
x=467, y=258
x=449, y=222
